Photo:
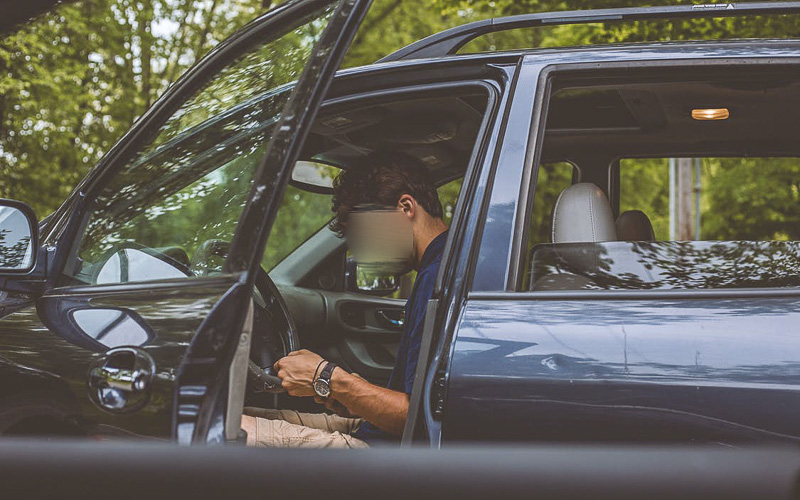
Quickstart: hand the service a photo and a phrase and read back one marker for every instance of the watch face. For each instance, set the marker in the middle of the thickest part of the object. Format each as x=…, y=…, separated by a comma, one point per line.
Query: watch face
x=322, y=388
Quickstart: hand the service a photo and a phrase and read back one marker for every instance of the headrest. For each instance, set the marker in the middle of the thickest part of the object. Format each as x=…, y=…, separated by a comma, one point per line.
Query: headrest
x=635, y=225
x=583, y=214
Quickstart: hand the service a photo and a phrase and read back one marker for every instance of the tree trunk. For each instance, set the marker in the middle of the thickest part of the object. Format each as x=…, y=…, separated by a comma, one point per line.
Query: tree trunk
x=146, y=52
x=171, y=68
x=201, y=40
x=684, y=199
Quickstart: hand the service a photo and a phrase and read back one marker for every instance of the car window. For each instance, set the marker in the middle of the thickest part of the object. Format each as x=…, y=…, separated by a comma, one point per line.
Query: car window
x=300, y=215
x=644, y=216
x=716, y=223
x=721, y=199
x=177, y=201
x=448, y=196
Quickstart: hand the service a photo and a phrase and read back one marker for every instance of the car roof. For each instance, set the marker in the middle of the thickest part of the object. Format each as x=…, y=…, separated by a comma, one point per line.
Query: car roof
x=673, y=52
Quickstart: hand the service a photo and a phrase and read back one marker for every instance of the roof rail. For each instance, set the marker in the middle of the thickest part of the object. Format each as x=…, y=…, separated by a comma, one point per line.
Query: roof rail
x=448, y=42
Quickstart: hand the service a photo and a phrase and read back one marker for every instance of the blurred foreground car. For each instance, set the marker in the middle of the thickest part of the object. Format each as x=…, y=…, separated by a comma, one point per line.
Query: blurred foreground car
x=155, y=300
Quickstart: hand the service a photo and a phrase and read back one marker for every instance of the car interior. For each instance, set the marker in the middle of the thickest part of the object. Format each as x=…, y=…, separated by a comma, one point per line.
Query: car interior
x=626, y=159
x=339, y=313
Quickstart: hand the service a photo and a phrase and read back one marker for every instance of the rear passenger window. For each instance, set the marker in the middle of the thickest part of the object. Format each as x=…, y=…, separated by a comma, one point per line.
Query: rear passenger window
x=643, y=216
x=689, y=223
x=719, y=199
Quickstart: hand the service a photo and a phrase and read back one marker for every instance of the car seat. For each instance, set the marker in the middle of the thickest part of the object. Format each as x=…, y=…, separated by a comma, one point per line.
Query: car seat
x=582, y=214
x=635, y=225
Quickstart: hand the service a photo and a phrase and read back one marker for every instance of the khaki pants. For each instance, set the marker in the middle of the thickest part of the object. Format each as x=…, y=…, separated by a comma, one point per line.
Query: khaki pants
x=292, y=429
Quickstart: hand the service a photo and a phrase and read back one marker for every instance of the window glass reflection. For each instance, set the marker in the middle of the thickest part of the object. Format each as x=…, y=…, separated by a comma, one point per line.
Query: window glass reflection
x=15, y=238
x=111, y=327
x=131, y=264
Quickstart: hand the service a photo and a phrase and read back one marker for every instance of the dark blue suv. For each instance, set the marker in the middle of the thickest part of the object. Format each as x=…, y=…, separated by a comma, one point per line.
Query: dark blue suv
x=610, y=273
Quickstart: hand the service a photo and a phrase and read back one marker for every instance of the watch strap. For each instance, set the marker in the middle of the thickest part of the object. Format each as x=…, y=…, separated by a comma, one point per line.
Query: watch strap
x=327, y=371
x=316, y=371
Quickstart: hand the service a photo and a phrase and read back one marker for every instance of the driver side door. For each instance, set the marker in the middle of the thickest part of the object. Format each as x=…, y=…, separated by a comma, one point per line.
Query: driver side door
x=144, y=315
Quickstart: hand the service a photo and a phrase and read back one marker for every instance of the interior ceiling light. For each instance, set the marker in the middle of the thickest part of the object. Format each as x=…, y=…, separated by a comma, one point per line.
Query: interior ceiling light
x=708, y=114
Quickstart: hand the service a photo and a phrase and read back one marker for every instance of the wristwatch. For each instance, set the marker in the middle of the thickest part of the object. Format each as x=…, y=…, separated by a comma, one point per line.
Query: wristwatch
x=322, y=385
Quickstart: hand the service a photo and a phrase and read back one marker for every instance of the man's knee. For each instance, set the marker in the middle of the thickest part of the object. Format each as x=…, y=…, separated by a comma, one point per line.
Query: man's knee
x=282, y=434
x=279, y=432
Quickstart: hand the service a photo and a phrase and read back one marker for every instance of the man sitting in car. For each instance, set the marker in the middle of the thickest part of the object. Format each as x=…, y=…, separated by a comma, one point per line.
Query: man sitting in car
x=409, y=208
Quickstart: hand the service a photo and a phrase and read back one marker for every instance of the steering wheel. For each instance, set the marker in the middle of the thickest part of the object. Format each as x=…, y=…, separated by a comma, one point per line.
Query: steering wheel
x=274, y=332
x=274, y=335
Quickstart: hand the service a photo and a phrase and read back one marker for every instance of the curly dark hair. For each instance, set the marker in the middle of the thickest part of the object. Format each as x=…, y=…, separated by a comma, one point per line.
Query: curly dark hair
x=381, y=179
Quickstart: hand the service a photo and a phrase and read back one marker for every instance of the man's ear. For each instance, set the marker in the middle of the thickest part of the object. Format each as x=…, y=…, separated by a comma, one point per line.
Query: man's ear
x=408, y=205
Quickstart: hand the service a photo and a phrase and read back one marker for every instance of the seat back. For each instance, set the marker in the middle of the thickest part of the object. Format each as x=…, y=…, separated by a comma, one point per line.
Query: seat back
x=635, y=225
x=582, y=214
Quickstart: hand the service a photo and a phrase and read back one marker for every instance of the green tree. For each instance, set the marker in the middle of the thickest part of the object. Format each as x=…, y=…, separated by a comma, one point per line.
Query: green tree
x=74, y=80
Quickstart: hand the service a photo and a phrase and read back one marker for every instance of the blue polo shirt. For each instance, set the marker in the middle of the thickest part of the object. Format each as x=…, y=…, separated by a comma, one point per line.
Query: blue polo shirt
x=405, y=368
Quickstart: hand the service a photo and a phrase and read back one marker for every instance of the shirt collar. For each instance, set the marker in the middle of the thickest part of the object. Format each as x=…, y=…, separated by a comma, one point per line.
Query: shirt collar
x=434, y=250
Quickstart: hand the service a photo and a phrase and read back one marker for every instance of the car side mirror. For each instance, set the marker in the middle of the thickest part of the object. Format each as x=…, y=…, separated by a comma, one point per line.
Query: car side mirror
x=369, y=280
x=19, y=237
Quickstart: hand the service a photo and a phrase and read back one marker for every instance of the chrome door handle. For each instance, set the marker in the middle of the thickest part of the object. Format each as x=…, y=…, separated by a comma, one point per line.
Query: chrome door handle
x=121, y=380
x=116, y=378
x=386, y=316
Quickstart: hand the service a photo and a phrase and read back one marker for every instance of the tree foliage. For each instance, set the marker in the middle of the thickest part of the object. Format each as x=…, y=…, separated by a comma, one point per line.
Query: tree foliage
x=74, y=80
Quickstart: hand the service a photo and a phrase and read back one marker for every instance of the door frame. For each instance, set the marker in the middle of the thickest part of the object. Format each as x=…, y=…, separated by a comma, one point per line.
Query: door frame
x=423, y=425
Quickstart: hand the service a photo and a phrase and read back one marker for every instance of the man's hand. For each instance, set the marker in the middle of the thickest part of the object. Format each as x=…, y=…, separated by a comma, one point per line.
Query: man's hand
x=296, y=371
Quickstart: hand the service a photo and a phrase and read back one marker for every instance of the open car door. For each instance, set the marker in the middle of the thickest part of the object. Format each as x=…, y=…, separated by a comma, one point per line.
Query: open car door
x=317, y=33
x=143, y=326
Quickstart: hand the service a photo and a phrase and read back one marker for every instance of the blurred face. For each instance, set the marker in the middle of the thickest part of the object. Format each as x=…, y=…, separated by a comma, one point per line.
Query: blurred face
x=381, y=239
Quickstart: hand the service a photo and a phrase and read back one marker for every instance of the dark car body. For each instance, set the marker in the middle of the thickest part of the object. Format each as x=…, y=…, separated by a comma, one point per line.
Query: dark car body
x=498, y=363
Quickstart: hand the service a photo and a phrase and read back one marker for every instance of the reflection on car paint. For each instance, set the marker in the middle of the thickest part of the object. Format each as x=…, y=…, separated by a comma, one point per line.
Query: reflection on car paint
x=702, y=369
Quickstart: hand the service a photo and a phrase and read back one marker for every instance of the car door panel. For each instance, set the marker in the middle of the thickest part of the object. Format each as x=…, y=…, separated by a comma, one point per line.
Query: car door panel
x=367, y=342
x=688, y=370
x=360, y=314
x=43, y=338
x=348, y=328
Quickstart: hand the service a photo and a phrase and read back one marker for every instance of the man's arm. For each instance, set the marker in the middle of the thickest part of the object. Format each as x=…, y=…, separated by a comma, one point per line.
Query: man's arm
x=381, y=407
